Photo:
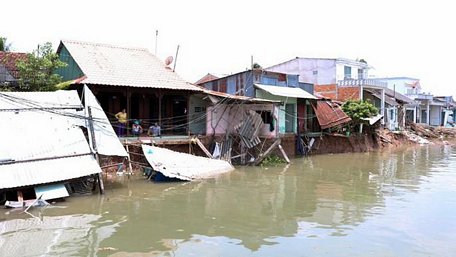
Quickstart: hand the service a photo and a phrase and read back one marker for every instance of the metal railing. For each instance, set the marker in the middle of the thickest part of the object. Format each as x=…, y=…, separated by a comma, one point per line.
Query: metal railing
x=361, y=82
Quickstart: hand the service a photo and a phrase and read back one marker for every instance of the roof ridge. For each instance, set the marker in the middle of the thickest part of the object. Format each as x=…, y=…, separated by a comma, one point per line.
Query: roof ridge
x=71, y=41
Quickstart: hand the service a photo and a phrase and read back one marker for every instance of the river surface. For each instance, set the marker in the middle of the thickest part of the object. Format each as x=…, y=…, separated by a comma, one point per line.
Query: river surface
x=391, y=203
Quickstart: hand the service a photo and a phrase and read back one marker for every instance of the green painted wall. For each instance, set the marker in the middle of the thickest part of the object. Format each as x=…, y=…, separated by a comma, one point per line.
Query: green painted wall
x=197, y=115
x=282, y=114
x=72, y=70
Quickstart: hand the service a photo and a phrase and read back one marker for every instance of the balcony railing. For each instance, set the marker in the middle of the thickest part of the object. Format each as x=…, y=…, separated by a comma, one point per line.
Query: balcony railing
x=361, y=82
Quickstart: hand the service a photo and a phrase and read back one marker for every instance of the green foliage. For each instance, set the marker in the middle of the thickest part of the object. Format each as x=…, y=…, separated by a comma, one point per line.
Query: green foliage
x=64, y=85
x=36, y=73
x=256, y=66
x=272, y=160
x=358, y=109
x=5, y=88
x=4, y=46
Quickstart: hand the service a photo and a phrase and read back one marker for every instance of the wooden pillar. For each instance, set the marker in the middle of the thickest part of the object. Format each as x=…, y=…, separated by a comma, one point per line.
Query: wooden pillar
x=428, y=110
x=306, y=115
x=383, y=106
x=128, y=93
x=188, y=114
x=160, y=108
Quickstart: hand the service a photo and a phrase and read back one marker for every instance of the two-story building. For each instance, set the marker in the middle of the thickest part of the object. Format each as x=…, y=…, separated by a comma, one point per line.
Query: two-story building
x=343, y=79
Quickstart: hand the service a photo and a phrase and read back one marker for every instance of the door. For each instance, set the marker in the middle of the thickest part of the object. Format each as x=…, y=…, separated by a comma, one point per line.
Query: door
x=290, y=117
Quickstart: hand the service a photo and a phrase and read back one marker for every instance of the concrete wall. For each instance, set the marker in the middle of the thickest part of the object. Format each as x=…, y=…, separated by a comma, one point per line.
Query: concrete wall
x=435, y=113
x=355, y=74
x=400, y=84
x=313, y=71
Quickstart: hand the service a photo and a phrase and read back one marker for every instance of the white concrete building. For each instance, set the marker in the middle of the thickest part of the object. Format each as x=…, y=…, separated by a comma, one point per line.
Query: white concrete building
x=323, y=71
x=343, y=79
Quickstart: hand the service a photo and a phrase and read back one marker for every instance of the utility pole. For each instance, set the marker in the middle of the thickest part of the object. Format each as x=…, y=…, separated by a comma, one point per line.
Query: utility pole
x=175, y=60
x=95, y=149
x=156, y=41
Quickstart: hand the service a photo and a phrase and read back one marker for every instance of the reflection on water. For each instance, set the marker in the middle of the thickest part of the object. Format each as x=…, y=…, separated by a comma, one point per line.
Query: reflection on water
x=399, y=203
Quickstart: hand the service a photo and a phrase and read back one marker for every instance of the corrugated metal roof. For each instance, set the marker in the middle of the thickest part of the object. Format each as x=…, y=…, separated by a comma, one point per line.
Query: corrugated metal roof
x=208, y=77
x=391, y=97
x=105, y=64
x=41, y=138
x=35, y=141
x=329, y=114
x=106, y=139
x=42, y=172
x=40, y=100
x=398, y=96
x=249, y=129
x=286, y=91
x=184, y=166
x=238, y=97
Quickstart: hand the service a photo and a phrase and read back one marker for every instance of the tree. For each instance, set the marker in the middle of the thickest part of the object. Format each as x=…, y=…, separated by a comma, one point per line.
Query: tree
x=36, y=72
x=4, y=46
x=256, y=66
x=358, y=109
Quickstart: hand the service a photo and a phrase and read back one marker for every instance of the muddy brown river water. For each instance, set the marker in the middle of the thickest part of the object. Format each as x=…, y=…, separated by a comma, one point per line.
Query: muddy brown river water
x=391, y=203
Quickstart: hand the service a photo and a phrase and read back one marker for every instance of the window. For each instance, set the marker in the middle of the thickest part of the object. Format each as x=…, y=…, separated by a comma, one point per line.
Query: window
x=200, y=109
x=266, y=116
x=360, y=74
x=347, y=72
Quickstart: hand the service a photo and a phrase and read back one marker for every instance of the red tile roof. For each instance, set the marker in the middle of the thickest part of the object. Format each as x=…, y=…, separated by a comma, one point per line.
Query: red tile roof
x=9, y=59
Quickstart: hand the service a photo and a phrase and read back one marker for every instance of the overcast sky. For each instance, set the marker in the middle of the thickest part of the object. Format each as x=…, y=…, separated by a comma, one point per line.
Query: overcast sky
x=398, y=38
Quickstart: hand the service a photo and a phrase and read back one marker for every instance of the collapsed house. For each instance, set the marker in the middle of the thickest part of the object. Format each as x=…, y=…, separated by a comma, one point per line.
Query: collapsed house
x=50, y=145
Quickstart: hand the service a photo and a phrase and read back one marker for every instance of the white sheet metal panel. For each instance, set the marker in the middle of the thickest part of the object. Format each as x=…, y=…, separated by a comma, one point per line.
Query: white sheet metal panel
x=184, y=166
x=32, y=100
x=294, y=92
x=374, y=119
x=105, y=64
x=37, y=134
x=31, y=135
x=106, y=139
x=53, y=191
x=41, y=172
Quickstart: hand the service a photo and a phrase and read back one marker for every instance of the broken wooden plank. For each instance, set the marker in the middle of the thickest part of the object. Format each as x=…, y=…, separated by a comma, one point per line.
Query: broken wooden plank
x=284, y=154
x=267, y=152
x=201, y=145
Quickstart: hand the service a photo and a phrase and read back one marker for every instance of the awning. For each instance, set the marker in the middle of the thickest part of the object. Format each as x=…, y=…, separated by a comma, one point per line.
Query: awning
x=295, y=92
x=373, y=120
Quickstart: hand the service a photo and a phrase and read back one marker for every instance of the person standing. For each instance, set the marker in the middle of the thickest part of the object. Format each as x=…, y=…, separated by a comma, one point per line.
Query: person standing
x=122, y=120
